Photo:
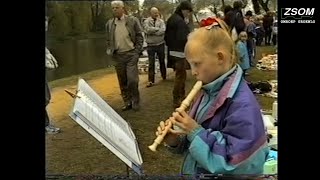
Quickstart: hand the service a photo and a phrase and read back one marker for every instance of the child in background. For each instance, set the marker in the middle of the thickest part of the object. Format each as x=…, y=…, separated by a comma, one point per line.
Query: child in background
x=259, y=29
x=241, y=44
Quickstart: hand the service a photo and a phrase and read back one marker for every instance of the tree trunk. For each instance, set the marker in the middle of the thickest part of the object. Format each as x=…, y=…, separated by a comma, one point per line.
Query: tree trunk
x=97, y=9
x=215, y=11
x=94, y=14
x=223, y=4
x=264, y=5
x=195, y=16
x=93, y=17
x=244, y=3
x=256, y=6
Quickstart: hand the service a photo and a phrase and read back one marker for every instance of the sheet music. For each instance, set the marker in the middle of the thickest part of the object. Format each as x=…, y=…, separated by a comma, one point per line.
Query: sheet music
x=100, y=120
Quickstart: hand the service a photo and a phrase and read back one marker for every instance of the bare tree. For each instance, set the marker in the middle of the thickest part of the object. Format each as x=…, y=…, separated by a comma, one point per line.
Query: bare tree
x=94, y=14
x=223, y=4
x=244, y=3
x=264, y=4
x=256, y=6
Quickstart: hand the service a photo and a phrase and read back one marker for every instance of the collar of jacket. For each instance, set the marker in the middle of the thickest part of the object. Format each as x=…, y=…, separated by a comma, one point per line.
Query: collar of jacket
x=227, y=91
x=124, y=16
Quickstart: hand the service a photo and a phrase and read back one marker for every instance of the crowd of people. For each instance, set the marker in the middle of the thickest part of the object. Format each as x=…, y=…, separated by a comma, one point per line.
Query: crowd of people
x=223, y=132
x=252, y=29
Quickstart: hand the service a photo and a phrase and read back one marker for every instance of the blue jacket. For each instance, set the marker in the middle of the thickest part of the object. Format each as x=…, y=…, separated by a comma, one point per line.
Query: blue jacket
x=232, y=137
x=244, y=56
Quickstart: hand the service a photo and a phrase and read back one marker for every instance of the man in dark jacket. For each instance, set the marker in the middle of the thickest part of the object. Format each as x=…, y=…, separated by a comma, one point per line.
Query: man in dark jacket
x=176, y=35
x=251, y=31
x=234, y=18
x=227, y=8
x=267, y=25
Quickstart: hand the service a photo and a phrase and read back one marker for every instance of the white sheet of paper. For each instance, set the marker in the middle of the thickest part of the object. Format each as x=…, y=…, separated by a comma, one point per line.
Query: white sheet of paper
x=92, y=113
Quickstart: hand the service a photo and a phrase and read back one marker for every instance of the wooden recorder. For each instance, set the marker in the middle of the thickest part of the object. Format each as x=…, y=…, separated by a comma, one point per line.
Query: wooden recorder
x=184, y=105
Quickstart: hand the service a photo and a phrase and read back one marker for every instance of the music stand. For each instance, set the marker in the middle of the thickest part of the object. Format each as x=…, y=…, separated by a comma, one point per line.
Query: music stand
x=94, y=115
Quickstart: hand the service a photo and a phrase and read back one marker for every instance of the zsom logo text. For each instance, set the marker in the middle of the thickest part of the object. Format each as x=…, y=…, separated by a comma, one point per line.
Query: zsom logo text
x=297, y=15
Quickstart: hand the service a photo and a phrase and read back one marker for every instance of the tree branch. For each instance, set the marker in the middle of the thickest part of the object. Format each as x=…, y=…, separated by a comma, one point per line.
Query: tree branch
x=264, y=5
x=256, y=6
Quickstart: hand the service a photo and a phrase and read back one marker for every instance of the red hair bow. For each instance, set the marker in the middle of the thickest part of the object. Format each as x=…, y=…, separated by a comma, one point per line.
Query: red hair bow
x=209, y=21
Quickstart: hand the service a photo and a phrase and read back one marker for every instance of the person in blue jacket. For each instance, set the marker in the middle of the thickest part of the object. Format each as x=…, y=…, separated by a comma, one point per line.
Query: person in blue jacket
x=241, y=45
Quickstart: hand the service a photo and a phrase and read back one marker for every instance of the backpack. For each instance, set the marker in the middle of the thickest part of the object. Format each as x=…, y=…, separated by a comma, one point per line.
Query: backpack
x=260, y=87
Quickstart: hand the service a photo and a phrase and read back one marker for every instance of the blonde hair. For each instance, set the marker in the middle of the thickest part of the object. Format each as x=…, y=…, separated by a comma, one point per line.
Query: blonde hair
x=243, y=33
x=214, y=37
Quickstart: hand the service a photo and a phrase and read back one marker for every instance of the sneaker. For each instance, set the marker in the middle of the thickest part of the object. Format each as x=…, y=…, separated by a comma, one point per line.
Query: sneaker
x=126, y=107
x=150, y=84
x=52, y=130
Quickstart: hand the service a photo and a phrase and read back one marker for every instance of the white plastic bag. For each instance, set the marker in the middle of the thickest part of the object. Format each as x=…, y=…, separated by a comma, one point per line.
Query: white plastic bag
x=51, y=62
x=234, y=34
